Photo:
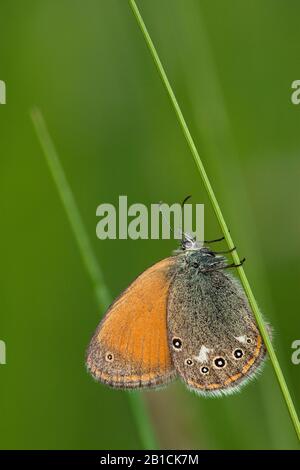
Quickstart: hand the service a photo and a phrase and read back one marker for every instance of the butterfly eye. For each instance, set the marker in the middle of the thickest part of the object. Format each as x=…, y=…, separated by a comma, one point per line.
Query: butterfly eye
x=238, y=353
x=109, y=357
x=187, y=244
x=207, y=252
x=204, y=370
x=189, y=362
x=220, y=362
x=177, y=343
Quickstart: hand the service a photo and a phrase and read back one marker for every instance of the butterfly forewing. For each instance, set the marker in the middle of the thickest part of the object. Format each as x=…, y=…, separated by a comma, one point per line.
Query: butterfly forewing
x=130, y=347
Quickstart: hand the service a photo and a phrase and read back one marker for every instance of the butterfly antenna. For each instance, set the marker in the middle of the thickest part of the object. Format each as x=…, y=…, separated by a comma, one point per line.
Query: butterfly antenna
x=183, y=234
x=185, y=200
x=167, y=222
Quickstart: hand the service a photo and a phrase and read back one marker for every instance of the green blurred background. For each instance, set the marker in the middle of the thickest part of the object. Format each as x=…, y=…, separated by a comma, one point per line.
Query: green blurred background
x=85, y=64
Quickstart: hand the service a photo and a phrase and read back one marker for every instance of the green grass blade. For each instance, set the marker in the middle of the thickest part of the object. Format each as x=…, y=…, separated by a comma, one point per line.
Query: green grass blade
x=103, y=297
x=219, y=215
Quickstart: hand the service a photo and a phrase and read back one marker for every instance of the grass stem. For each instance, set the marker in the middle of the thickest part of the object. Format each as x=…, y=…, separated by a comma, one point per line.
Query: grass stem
x=103, y=297
x=277, y=369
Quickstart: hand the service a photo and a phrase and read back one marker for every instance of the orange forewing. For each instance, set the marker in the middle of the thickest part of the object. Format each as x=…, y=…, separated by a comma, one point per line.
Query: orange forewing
x=130, y=346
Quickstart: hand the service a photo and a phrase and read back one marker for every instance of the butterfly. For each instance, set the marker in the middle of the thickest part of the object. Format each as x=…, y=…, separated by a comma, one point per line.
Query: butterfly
x=186, y=317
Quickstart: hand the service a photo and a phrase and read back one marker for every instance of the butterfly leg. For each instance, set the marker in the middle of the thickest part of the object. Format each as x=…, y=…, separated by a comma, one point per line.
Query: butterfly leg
x=214, y=241
x=224, y=252
x=233, y=265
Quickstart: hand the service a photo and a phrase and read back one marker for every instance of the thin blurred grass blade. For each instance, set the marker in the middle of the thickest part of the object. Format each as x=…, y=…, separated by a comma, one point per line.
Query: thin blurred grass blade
x=277, y=369
x=103, y=297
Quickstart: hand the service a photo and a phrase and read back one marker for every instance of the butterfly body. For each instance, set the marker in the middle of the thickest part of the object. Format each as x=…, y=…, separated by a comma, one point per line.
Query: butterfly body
x=185, y=316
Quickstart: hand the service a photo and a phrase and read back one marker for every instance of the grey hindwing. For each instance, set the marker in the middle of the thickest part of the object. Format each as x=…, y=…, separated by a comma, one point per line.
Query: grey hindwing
x=212, y=334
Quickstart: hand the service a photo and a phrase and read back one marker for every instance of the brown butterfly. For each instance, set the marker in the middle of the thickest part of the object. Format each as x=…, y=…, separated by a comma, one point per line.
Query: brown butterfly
x=185, y=316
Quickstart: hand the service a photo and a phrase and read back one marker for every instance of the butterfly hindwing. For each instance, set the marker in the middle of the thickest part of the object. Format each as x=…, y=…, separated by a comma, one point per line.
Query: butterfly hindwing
x=130, y=346
x=214, y=341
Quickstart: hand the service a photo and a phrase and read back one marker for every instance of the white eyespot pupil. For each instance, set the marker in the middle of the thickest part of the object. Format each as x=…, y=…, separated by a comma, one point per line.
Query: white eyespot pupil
x=204, y=370
x=220, y=362
x=238, y=353
x=177, y=343
x=109, y=357
x=189, y=362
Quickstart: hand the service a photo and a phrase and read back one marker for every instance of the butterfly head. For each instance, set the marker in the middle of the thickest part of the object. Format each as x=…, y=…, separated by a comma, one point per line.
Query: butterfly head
x=199, y=257
x=189, y=243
